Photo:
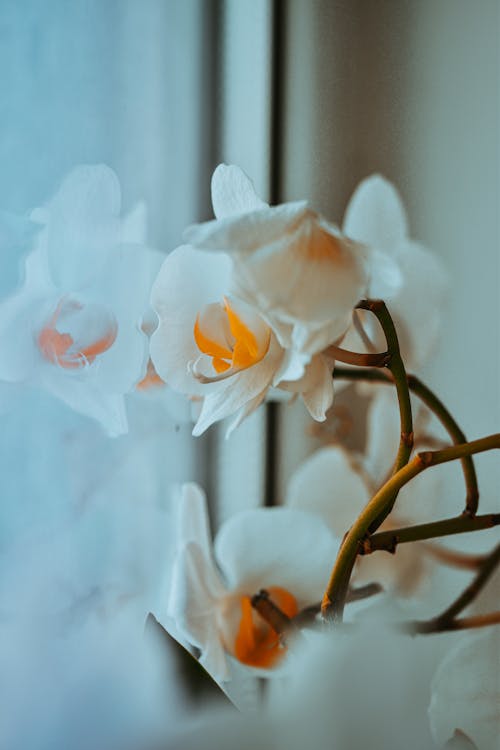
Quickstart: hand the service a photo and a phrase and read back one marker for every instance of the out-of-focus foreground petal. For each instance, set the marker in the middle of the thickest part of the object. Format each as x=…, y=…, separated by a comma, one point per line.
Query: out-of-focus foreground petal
x=466, y=691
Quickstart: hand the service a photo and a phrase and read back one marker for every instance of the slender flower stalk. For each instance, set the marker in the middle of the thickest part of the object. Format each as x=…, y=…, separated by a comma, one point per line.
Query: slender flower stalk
x=424, y=393
x=429, y=627
x=467, y=623
x=334, y=599
x=447, y=620
x=397, y=369
x=470, y=593
x=360, y=359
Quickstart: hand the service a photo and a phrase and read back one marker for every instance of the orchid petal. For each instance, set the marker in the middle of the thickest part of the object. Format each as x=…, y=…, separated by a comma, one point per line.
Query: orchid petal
x=20, y=355
x=245, y=412
x=84, y=397
x=195, y=589
x=247, y=232
x=281, y=547
x=466, y=691
x=386, y=277
x=292, y=367
x=233, y=192
x=193, y=522
x=315, y=385
x=82, y=225
x=326, y=484
x=128, y=269
x=327, y=683
x=240, y=390
x=188, y=280
x=375, y=215
x=419, y=305
x=17, y=238
x=309, y=275
x=318, y=396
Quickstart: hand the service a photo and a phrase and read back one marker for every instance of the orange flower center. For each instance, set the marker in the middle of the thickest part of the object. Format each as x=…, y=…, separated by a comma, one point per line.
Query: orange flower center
x=226, y=336
x=93, y=331
x=256, y=643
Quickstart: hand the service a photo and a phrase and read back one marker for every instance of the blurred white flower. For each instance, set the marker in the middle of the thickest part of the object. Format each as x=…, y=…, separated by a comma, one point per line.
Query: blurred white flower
x=212, y=345
x=363, y=687
x=286, y=552
x=75, y=593
x=290, y=264
x=409, y=278
x=74, y=325
x=466, y=691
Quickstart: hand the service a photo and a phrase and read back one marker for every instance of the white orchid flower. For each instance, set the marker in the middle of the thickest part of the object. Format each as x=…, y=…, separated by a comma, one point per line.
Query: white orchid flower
x=407, y=276
x=74, y=325
x=338, y=486
x=213, y=346
x=286, y=552
x=466, y=691
x=209, y=345
x=290, y=264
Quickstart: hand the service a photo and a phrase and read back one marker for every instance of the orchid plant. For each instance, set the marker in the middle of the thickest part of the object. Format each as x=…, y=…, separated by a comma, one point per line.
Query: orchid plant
x=276, y=302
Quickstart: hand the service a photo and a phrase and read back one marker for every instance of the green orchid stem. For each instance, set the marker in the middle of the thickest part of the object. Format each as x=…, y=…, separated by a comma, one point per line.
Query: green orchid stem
x=425, y=394
x=397, y=369
x=388, y=540
x=332, y=606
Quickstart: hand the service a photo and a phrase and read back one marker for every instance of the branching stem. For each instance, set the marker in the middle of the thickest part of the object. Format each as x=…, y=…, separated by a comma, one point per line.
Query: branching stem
x=424, y=393
x=334, y=599
x=388, y=540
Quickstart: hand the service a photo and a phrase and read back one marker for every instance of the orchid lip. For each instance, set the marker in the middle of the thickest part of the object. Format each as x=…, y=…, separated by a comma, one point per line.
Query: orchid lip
x=76, y=334
x=234, y=337
x=205, y=379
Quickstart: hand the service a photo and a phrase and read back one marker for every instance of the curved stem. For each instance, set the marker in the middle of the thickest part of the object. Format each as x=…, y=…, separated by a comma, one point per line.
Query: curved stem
x=424, y=393
x=360, y=359
x=465, y=598
x=447, y=620
x=439, y=409
x=397, y=369
x=476, y=621
x=332, y=606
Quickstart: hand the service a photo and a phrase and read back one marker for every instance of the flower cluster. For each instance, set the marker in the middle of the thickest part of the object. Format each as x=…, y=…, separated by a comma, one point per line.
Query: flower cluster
x=253, y=302
x=262, y=302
